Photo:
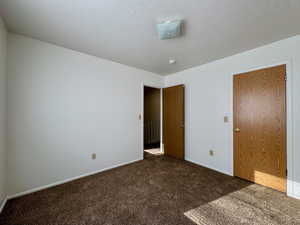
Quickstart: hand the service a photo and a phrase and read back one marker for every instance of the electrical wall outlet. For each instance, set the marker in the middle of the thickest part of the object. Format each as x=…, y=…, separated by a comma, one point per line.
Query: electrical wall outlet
x=94, y=156
x=211, y=152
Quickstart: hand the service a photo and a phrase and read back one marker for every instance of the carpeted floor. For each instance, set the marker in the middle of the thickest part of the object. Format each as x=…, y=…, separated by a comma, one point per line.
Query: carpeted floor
x=156, y=191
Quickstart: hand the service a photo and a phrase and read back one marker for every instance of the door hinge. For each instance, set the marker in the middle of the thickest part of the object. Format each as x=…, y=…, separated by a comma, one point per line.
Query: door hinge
x=285, y=77
x=286, y=172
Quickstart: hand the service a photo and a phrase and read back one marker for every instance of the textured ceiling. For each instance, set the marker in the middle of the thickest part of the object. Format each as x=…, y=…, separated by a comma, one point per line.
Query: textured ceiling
x=124, y=31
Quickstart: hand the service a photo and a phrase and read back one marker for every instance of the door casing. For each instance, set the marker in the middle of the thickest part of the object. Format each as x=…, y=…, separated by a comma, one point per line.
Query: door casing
x=142, y=116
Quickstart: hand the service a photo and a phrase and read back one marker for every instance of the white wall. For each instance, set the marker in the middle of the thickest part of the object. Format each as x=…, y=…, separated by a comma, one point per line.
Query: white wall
x=63, y=106
x=3, y=149
x=209, y=98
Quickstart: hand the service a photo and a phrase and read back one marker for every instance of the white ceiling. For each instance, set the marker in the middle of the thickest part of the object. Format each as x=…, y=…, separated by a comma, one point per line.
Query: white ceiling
x=124, y=31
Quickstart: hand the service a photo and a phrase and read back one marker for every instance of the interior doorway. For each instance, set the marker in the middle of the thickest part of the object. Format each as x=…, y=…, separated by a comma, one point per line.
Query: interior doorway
x=260, y=127
x=163, y=121
x=152, y=121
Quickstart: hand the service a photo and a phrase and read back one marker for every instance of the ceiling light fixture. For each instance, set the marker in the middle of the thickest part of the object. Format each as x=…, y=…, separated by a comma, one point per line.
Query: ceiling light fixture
x=169, y=29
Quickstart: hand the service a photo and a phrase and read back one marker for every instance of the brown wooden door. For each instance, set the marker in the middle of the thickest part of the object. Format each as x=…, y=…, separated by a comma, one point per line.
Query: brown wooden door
x=260, y=127
x=173, y=121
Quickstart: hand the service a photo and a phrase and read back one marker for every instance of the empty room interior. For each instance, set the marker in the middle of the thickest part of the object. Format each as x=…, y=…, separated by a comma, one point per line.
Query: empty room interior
x=149, y=112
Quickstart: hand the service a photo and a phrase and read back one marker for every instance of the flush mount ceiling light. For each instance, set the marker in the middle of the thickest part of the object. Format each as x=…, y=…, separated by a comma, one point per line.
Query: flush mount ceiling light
x=169, y=29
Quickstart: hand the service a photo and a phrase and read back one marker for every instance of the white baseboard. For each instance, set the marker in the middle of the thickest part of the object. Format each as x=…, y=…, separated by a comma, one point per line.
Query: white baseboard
x=3, y=204
x=293, y=196
x=99, y=171
x=209, y=167
x=67, y=180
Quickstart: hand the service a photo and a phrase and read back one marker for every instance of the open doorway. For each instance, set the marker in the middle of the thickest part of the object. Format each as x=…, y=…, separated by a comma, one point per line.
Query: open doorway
x=163, y=121
x=152, y=121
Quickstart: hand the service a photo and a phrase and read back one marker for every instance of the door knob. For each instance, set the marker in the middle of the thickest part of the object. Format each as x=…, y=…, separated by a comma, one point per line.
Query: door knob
x=237, y=130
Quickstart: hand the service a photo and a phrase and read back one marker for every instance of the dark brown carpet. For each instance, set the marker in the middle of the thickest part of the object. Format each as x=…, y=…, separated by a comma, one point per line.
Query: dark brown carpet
x=158, y=190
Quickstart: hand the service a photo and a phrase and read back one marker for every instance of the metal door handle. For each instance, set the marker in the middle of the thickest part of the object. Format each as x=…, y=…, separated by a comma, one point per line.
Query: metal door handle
x=237, y=130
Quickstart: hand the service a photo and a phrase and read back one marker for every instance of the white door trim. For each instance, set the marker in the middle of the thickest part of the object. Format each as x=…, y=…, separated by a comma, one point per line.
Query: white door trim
x=142, y=115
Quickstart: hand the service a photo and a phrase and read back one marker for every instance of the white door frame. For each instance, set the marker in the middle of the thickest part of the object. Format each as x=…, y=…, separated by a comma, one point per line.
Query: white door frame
x=289, y=122
x=161, y=115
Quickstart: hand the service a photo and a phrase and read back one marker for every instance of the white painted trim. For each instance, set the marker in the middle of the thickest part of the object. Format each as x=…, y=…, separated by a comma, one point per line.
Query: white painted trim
x=161, y=121
x=290, y=120
x=209, y=167
x=294, y=196
x=3, y=204
x=290, y=130
x=68, y=180
x=142, y=115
